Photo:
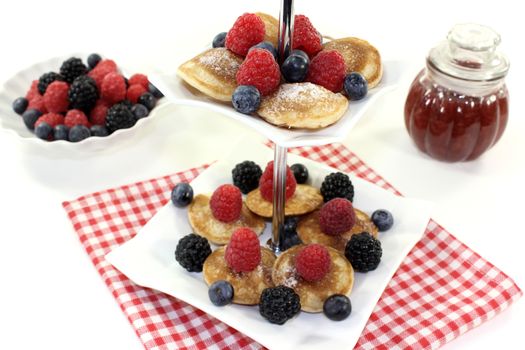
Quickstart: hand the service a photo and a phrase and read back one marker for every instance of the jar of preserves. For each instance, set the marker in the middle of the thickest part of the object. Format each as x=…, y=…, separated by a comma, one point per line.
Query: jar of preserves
x=457, y=106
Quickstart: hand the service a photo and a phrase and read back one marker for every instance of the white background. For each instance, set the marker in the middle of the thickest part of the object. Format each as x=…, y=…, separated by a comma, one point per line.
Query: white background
x=50, y=294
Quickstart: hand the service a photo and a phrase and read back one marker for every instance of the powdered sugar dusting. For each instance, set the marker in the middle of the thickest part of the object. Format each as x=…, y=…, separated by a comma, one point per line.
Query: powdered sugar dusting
x=221, y=61
x=291, y=280
x=294, y=97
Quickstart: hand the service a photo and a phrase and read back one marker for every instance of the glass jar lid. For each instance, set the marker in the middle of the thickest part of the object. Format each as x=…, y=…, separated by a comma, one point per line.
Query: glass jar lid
x=470, y=53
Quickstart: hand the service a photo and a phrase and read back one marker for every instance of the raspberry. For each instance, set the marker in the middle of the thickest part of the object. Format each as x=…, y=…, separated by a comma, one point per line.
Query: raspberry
x=53, y=119
x=140, y=79
x=37, y=102
x=226, y=203
x=266, y=183
x=98, y=114
x=103, y=68
x=75, y=117
x=260, y=70
x=134, y=92
x=313, y=262
x=337, y=216
x=247, y=31
x=113, y=88
x=328, y=70
x=243, y=253
x=33, y=91
x=56, y=97
x=305, y=36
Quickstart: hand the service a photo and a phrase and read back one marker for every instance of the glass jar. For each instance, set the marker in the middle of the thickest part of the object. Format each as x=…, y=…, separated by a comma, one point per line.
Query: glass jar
x=457, y=107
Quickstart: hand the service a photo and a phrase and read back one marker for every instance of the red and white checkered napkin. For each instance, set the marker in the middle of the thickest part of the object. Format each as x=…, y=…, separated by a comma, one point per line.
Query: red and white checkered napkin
x=442, y=289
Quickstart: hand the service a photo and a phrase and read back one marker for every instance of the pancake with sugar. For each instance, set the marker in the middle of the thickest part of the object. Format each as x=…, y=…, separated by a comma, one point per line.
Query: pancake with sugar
x=212, y=73
x=303, y=105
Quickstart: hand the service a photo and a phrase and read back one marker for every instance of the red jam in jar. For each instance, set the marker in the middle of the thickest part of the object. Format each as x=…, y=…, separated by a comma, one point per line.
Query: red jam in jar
x=457, y=107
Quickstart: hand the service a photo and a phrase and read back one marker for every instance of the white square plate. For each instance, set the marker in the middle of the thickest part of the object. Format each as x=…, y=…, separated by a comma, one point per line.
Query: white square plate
x=148, y=259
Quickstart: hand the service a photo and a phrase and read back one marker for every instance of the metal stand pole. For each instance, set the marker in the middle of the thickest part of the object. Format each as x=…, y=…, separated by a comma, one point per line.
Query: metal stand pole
x=286, y=22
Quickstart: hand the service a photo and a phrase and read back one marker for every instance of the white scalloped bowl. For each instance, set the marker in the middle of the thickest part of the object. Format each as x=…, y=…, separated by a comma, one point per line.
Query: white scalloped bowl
x=13, y=124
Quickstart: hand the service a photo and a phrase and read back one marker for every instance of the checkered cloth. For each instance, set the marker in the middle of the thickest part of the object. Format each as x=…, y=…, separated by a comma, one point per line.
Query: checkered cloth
x=442, y=290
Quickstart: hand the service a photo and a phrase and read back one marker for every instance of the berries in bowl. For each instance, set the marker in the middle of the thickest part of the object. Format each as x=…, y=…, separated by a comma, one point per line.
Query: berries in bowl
x=83, y=99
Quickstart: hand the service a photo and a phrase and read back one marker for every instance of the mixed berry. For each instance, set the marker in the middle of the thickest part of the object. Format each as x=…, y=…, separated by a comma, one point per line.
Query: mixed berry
x=306, y=63
x=81, y=101
x=312, y=262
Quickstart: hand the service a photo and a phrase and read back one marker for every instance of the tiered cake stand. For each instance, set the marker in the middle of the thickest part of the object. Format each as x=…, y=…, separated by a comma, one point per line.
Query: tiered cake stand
x=177, y=92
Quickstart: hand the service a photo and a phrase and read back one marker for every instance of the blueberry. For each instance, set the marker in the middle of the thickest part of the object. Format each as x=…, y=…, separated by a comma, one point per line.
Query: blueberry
x=93, y=60
x=289, y=240
x=61, y=132
x=356, y=86
x=300, y=53
x=182, y=194
x=246, y=99
x=383, y=219
x=99, y=130
x=337, y=307
x=266, y=45
x=156, y=92
x=300, y=172
x=295, y=68
x=290, y=223
x=20, y=105
x=30, y=117
x=147, y=99
x=79, y=133
x=139, y=111
x=221, y=293
x=219, y=40
x=43, y=130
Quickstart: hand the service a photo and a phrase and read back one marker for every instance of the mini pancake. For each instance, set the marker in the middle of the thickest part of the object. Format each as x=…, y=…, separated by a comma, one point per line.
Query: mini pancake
x=305, y=200
x=247, y=286
x=303, y=105
x=309, y=230
x=206, y=225
x=212, y=73
x=271, y=26
x=338, y=280
x=360, y=57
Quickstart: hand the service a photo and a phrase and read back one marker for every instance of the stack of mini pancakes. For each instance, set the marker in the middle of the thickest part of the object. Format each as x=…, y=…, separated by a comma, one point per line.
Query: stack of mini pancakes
x=298, y=105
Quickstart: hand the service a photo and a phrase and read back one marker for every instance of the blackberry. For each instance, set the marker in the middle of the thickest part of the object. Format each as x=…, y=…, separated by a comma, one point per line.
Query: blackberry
x=337, y=185
x=364, y=252
x=72, y=68
x=246, y=176
x=191, y=252
x=279, y=304
x=83, y=93
x=46, y=79
x=119, y=117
